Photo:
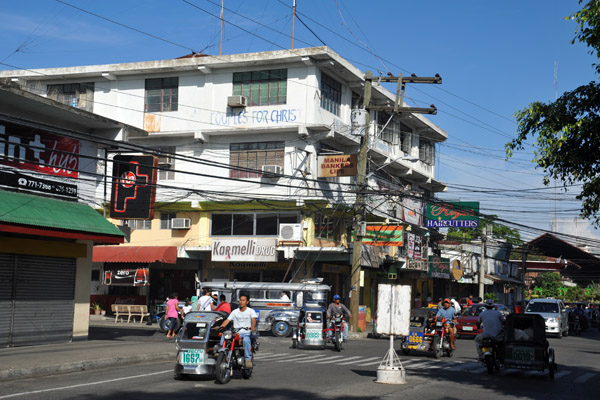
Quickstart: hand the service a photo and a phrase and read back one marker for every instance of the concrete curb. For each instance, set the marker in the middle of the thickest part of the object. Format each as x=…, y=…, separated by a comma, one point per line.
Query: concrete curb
x=30, y=372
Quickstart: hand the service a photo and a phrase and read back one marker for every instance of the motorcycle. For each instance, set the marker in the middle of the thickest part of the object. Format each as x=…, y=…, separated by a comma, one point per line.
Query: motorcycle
x=441, y=341
x=231, y=357
x=335, y=333
x=577, y=325
x=492, y=354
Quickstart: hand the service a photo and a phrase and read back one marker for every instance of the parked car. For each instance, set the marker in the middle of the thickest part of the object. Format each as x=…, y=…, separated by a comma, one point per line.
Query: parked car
x=467, y=321
x=554, y=313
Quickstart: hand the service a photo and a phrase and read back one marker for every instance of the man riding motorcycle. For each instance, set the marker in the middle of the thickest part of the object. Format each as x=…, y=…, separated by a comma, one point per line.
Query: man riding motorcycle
x=492, y=321
x=338, y=308
x=244, y=321
x=449, y=315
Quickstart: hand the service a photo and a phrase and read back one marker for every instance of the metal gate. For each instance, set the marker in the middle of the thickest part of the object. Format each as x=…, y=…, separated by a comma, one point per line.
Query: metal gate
x=36, y=299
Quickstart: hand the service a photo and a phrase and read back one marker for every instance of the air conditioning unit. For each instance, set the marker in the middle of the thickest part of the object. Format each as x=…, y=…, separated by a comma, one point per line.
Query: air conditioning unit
x=237, y=101
x=180, y=223
x=272, y=170
x=290, y=232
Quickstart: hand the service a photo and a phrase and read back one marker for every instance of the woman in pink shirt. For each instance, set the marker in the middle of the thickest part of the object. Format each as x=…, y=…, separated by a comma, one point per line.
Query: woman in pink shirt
x=172, y=313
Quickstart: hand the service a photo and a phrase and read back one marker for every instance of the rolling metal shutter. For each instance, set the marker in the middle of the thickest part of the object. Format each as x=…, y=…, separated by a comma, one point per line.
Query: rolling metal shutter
x=7, y=268
x=43, y=300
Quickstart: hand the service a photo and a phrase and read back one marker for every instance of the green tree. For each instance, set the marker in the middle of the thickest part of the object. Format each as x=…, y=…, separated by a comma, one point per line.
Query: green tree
x=565, y=132
x=574, y=293
x=500, y=231
x=550, y=282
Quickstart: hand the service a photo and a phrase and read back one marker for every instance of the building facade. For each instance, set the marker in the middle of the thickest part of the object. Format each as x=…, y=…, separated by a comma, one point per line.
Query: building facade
x=249, y=150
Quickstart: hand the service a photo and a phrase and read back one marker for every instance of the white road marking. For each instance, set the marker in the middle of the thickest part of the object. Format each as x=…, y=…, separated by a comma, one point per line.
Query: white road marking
x=370, y=363
x=85, y=384
x=272, y=356
x=584, y=377
x=291, y=358
x=356, y=361
x=329, y=360
x=560, y=374
x=307, y=359
x=417, y=365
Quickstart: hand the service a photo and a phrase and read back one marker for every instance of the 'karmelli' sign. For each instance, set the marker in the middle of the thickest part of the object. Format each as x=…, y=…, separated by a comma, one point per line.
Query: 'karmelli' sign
x=456, y=215
x=244, y=250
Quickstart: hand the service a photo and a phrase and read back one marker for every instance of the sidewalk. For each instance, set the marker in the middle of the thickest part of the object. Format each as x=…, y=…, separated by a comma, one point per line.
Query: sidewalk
x=109, y=345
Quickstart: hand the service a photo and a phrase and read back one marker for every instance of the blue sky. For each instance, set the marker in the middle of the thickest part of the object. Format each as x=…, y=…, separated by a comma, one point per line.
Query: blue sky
x=494, y=58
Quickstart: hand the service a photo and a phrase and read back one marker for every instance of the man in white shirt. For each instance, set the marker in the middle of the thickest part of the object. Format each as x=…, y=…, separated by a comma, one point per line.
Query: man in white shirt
x=244, y=321
x=205, y=302
x=284, y=297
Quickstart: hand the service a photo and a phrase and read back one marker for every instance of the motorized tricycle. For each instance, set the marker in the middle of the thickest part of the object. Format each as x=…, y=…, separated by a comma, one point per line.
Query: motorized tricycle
x=312, y=329
x=196, y=343
x=525, y=344
x=421, y=331
x=231, y=356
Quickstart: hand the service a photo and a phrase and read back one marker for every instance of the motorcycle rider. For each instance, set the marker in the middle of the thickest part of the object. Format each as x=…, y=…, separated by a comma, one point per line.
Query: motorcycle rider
x=449, y=314
x=244, y=321
x=492, y=321
x=338, y=308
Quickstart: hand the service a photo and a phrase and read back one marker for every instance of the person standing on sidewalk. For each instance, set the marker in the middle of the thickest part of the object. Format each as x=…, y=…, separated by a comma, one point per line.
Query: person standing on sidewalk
x=172, y=313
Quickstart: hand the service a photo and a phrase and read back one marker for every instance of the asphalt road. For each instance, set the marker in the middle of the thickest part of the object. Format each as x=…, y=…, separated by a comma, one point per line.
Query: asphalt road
x=283, y=373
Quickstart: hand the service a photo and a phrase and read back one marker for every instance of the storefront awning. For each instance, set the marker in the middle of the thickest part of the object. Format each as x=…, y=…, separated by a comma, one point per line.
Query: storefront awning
x=42, y=216
x=135, y=254
x=496, y=278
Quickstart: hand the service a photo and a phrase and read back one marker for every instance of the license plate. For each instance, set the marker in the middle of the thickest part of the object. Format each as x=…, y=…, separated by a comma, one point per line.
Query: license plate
x=192, y=356
x=523, y=354
x=415, y=337
x=314, y=334
x=467, y=328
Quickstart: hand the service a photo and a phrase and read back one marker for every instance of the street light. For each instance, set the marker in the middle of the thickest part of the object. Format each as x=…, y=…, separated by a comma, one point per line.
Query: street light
x=404, y=158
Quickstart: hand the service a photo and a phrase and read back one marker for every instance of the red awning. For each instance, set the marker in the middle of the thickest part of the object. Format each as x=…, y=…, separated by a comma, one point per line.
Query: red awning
x=135, y=254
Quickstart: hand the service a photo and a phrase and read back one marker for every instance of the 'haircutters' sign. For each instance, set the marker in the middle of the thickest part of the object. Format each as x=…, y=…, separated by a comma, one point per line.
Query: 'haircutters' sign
x=456, y=214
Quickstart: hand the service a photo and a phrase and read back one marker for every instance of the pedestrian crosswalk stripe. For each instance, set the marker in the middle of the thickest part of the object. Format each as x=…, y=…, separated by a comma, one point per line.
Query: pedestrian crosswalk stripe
x=345, y=361
x=272, y=356
x=561, y=374
x=370, y=363
x=295, y=357
x=415, y=365
x=311, y=358
x=330, y=360
x=584, y=377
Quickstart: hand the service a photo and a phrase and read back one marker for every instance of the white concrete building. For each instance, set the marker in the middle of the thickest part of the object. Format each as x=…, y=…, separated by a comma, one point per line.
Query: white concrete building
x=270, y=111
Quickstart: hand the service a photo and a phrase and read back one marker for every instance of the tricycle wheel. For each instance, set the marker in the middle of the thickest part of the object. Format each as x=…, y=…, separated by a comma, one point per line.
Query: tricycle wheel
x=437, y=347
x=489, y=363
x=222, y=371
x=281, y=329
x=405, y=351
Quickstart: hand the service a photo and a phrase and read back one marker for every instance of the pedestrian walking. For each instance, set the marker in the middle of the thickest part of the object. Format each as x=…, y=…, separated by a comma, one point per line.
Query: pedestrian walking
x=172, y=313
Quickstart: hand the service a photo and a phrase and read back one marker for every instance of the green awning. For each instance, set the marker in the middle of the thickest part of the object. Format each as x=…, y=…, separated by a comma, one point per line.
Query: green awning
x=35, y=213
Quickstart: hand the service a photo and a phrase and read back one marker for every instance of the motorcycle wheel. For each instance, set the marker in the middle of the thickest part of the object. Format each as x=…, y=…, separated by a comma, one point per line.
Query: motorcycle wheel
x=489, y=363
x=294, y=343
x=338, y=341
x=437, y=347
x=222, y=371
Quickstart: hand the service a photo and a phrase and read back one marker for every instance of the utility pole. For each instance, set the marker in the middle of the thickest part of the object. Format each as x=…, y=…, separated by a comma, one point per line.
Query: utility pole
x=359, y=205
x=523, y=269
x=293, y=22
x=483, y=265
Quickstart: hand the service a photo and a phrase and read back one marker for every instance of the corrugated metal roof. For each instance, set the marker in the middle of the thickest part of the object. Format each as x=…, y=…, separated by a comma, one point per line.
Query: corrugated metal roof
x=37, y=211
x=135, y=254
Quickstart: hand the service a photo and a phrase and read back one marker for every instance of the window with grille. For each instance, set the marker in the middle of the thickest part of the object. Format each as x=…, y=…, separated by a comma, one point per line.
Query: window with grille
x=389, y=131
x=166, y=163
x=328, y=227
x=162, y=94
x=262, y=88
x=405, y=138
x=78, y=95
x=252, y=156
x=165, y=220
x=331, y=94
x=426, y=151
x=139, y=224
x=250, y=224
